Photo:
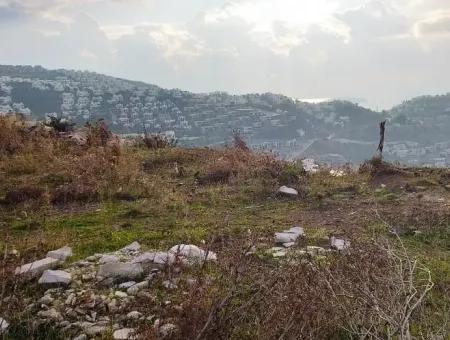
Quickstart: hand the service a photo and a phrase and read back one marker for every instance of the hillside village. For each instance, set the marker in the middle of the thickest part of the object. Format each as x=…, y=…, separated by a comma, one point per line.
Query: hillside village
x=334, y=132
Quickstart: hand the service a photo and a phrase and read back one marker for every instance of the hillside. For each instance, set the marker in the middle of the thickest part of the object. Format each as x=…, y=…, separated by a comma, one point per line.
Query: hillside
x=267, y=121
x=364, y=250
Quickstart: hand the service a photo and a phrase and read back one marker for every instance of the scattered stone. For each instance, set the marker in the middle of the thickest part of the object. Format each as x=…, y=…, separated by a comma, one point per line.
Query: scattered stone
x=339, y=243
x=36, y=268
x=280, y=253
x=284, y=190
x=315, y=250
x=134, y=315
x=127, y=285
x=124, y=334
x=108, y=259
x=120, y=271
x=192, y=253
x=167, y=330
x=55, y=277
x=46, y=300
x=61, y=254
x=288, y=244
x=3, y=325
x=120, y=294
x=81, y=337
x=95, y=330
x=310, y=165
x=289, y=236
x=158, y=258
x=169, y=285
x=135, y=246
x=133, y=290
x=51, y=314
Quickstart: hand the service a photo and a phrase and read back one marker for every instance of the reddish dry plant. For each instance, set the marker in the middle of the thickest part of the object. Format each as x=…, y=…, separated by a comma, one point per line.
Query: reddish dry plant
x=374, y=291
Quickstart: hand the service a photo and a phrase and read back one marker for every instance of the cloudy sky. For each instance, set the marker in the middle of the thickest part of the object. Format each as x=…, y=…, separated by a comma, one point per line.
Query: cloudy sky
x=383, y=51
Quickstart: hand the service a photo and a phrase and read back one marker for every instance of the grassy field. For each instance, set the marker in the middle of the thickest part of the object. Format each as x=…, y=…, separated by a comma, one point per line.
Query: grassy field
x=102, y=194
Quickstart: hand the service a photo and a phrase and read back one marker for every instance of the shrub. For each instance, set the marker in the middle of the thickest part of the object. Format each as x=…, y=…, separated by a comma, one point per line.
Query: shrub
x=59, y=124
x=97, y=134
x=70, y=193
x=239, y=142
x=158, y=141
x=23, y=194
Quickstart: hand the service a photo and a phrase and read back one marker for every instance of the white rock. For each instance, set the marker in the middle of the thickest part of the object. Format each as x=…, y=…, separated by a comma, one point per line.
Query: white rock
x=51, y=314
x=134, y=315
x=124, y=334
x=169, y=285
x=135, y=246
x=95, y=330
x=309, y=165
x=3, y=325
x=120, y=271
x=167, y=329
x=290, y=235
x=192, y=253
x=159, y=257
x=296, y=230
x=108, y=259
x=36, y=268
x=286, y=237
x=288, y=244
x=61, y=254
x=127, y=285
x=120, y=294
x=57, y=277
x=81, y=337
x=338, y=243
x=46, y=300
x=287, y=191
x=133, y=290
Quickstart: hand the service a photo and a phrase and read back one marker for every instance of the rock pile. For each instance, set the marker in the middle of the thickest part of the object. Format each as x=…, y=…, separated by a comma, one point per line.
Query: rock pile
x=288, y=239
x=99, y=294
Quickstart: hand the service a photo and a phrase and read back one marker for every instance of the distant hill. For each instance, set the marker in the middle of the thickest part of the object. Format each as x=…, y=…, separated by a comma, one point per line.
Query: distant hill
x=267, y=121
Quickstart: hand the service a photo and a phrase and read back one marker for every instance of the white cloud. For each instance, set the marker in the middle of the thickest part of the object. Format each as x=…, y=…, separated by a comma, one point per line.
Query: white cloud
x=282, y=25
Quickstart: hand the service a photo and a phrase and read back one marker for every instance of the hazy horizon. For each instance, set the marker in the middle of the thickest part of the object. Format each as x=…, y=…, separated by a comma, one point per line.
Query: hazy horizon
x=383, y=52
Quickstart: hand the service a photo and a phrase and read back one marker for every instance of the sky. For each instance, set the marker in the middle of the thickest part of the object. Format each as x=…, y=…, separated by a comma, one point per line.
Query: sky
x=377, y=52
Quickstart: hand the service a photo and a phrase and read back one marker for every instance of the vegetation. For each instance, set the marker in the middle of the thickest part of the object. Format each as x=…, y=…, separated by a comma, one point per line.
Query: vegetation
x=102, y=194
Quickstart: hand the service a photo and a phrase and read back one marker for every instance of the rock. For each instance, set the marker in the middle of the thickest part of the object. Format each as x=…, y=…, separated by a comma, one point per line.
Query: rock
x=124, y=334
x=284, y=190
x=95, y=330
x=36, y=268
x=192, y=253
x=134, y=315
x=338, y=243
x=160, y=257
x=278, y=252
x=120, y=271
x=55, y=277
x=120, y=294
x=46, y=300
x=61, y=254
x=315, y=250
x=3, y=325
x=135, y=246
x=167, y=330
x=285, y=237
x=169, y=285
x=108, y=259
x=289, y=236
x=310, y=165
x=288, y=244
x=51, y=314
x=81, y=337
x=127, y=285
x=133, y=290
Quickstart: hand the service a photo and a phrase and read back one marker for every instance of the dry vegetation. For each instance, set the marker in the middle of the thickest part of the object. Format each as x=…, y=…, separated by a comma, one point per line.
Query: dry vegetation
x=102, y=193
